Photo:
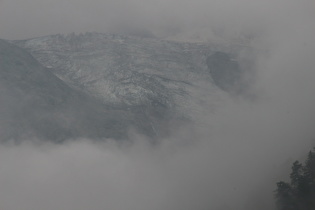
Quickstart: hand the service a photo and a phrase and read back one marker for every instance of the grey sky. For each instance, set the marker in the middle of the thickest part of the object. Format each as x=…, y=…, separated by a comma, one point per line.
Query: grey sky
x=21, y=19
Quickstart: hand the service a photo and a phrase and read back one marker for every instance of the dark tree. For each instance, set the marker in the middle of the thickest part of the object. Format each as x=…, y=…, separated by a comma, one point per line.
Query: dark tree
x=296, y=175
x=284, y=196
x=300, y=193
x=309, y=180
x=309, y=169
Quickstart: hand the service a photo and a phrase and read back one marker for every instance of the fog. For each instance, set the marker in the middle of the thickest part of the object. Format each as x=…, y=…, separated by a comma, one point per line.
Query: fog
x=193, y=20
x=234, y=164
x=231, y=162
x=230, y=159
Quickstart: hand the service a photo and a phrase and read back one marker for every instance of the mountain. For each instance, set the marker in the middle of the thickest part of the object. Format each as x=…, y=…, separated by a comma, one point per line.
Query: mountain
x=37, y=104
x=143, y=82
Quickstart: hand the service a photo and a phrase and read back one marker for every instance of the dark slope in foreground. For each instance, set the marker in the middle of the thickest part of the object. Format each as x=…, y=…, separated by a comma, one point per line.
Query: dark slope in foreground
x=35, y=103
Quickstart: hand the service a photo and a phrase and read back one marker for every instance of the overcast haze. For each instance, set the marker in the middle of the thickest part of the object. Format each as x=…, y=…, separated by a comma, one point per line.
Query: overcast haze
x=20, y=19
x=231, y=162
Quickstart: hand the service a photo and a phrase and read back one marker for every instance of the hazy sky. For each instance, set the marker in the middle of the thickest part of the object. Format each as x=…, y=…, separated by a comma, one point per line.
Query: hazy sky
x=233, y=163
x=21, y=19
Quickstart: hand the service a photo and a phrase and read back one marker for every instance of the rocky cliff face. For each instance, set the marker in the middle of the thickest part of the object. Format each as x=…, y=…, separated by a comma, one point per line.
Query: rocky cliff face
x=225, y=71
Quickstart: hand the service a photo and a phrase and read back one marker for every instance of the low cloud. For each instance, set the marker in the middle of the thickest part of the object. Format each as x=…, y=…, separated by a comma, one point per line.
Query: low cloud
x=230, y=159
x=231, y=162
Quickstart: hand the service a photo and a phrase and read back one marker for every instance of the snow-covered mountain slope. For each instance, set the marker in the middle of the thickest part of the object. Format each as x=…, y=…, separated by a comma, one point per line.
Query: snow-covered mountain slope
x=37, y=104
x=155, y=82
x=132, y=71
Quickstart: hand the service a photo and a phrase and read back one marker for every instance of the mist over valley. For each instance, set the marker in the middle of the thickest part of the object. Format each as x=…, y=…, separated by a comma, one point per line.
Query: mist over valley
x=174, y=106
